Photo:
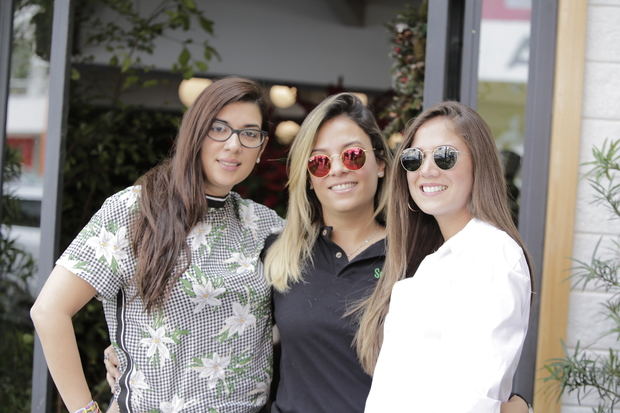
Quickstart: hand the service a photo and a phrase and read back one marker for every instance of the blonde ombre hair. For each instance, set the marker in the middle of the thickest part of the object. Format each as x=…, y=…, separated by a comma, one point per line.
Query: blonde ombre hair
x=412, y=234
x=288, y=255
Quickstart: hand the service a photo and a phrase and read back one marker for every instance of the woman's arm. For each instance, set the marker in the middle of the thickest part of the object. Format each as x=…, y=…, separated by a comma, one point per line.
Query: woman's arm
x=515, y=405
x=63, y=295
x=484, y=335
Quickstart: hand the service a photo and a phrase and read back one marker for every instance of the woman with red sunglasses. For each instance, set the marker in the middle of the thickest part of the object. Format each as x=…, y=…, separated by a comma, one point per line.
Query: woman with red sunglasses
x=329, y=255
x=458, y=287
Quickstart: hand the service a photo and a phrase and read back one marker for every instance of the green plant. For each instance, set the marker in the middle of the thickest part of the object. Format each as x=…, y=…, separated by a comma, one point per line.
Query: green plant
x=583, y=371
x=16, y=330
x=408, y=49
x=127, y=31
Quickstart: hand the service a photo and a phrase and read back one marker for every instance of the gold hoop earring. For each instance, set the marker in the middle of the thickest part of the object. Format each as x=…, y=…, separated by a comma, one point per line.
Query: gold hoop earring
x=410, y=207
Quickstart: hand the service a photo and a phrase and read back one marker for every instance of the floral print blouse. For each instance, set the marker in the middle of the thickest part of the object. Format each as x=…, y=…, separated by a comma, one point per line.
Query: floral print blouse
x=209, y=348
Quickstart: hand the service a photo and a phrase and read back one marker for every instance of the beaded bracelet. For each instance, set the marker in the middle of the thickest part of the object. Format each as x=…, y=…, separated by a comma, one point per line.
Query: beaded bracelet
x=91, y=407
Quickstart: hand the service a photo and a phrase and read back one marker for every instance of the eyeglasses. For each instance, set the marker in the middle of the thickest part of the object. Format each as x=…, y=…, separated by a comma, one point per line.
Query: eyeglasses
x=352, y=159
x=250, y=138
x=445, y=158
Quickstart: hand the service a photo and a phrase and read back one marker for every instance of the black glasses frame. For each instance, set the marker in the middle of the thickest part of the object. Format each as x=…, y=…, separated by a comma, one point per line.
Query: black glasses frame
x=263, y=134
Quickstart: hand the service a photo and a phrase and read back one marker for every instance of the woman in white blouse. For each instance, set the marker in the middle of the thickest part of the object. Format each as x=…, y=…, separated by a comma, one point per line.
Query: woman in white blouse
x=456, y=280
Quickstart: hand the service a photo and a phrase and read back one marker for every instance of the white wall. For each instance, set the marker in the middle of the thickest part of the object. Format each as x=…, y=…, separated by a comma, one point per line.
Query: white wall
x=294, y=41
x=600, y=120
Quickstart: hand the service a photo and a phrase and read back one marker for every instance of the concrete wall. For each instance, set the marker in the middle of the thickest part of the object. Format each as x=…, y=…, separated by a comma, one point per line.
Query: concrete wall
x=600, y=121
x=293, y=41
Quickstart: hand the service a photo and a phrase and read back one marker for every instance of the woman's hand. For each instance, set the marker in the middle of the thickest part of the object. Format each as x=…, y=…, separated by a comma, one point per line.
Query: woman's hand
x=515, y=405
x=111, y=367
x=113, y=408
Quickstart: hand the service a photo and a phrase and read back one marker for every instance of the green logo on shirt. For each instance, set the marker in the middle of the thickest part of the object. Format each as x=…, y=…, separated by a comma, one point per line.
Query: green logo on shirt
x=378, y=273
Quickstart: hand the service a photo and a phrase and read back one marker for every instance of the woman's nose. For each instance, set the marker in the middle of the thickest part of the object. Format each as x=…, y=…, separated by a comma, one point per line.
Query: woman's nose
x=428, y=167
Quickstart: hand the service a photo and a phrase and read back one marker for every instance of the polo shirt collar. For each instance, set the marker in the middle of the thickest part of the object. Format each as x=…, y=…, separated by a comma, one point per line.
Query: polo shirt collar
x=375, y=249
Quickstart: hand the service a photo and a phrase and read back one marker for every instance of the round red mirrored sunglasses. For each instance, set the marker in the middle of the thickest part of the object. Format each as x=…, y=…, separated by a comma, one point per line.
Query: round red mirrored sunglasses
x=352, y=159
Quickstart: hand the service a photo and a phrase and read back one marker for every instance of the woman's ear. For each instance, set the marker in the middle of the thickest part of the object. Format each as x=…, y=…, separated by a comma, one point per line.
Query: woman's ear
x=381, y=165
x=262, y=149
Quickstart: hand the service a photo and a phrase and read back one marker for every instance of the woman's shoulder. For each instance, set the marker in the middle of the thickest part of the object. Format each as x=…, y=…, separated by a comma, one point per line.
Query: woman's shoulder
x=486, y=240
x=271, y=238
x=259, y=209
x=122, y=202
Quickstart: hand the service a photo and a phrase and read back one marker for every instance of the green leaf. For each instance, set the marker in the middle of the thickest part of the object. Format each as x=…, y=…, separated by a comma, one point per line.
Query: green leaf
x=201, y=66
x=130, y=81
x=114, y=266
x=127, y=62
x=112, y=227
x=150, y=83
x=75, y=74
x=187, y=287
x=206, y=24
x=198, y=271
x=189, y=4
x=188, y=73
x=184, y=57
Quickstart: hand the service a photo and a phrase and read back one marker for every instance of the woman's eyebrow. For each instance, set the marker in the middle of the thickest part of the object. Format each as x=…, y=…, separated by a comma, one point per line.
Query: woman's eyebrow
x=248, y=125
x=354, y=142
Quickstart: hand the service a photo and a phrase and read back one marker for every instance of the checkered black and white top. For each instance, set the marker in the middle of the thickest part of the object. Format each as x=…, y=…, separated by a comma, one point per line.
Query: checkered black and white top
x=209, y=348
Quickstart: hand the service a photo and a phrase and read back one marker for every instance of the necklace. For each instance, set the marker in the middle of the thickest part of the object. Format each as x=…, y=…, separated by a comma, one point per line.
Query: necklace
x=362, y=245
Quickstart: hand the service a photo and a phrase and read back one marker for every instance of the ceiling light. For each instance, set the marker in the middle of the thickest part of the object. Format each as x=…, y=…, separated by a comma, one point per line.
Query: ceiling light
x=286, y=131
x=361, y=96
x=283, y=96
x=395, y=139
x=189, y=89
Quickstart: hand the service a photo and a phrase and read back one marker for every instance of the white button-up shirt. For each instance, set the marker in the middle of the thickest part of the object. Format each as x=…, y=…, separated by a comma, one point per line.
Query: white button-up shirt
x=454, y=331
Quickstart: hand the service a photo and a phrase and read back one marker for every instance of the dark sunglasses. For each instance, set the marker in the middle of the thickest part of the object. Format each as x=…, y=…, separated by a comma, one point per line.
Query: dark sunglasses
x=444, y=156
x=352, y=159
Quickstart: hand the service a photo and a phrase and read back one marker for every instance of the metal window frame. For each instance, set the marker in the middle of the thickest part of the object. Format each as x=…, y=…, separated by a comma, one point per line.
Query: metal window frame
x=6, y=39
x=541, y=70
x=535, y=168
x=52, y=184
x=436, y=52
x=471, y=52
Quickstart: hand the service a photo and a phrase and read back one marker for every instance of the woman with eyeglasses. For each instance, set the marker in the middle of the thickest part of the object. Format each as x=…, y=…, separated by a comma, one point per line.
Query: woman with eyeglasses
x=458, y=286
x=174, y=260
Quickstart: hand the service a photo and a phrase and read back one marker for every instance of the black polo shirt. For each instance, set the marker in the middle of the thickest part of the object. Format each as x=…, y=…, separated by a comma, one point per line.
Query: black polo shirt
x=319, y=370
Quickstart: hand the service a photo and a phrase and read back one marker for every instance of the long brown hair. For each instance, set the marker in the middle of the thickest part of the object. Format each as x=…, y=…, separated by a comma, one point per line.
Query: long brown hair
x=293, y=248
x=411, y=236
x=172, y=198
